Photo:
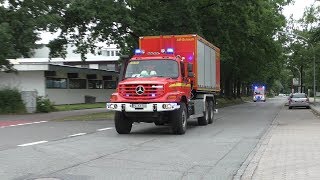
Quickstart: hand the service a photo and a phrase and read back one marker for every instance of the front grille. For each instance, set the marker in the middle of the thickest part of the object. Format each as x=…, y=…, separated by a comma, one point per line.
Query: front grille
x=151, y=91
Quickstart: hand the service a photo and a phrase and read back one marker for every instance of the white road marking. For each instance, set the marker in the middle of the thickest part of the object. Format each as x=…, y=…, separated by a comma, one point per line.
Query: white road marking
x=103, y=129
x=22, y=124
x=33, y=143
x=79, y=134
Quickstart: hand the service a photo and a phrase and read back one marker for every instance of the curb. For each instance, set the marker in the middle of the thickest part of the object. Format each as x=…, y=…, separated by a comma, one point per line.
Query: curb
x=315, y=110
x=249, y=166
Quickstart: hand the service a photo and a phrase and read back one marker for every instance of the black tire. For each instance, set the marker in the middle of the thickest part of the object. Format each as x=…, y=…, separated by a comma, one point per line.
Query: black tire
x=179, y=119
x=123, y=125
x=308, y=107
x=290, y=107
x=211, y=112
x=203, y=121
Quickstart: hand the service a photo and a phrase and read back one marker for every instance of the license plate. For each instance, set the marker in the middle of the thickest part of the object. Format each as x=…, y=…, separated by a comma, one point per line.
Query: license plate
x=139, y=105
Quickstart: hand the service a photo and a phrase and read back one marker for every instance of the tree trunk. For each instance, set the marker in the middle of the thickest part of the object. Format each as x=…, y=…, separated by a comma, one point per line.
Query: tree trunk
x=238, y=88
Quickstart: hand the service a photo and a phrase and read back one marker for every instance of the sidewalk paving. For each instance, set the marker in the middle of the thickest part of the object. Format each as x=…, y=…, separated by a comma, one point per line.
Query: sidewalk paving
x=50, y=116
x=289, y=150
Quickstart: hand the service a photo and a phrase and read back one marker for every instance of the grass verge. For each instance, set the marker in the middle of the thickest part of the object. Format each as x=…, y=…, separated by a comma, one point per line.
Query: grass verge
x=224, y=102
x=89, y=117
x=70, y=107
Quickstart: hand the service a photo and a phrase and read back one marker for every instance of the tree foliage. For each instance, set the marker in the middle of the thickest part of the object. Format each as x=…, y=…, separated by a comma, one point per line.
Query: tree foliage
x=20, y=22
x=244, y=30
x=303, y=45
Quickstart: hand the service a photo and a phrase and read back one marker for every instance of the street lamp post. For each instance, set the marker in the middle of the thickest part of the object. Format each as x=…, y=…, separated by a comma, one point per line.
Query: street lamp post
x=300, y=79
x=314, y=60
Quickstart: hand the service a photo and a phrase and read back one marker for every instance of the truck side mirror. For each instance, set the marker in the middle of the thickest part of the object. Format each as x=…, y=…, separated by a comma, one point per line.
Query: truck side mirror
x=190, y=74
x=125, y=60
x=190, y=67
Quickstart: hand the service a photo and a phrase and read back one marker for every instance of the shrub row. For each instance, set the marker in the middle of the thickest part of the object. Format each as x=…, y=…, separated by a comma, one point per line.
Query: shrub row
x=11, y=102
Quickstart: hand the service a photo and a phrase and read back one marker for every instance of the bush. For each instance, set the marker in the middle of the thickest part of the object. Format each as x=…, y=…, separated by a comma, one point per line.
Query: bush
x=11, y=101
x=44, y=105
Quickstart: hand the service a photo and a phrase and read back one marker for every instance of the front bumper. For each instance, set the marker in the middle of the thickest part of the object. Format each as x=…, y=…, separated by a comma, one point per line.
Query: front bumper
x=143, y=107
x=259, y=98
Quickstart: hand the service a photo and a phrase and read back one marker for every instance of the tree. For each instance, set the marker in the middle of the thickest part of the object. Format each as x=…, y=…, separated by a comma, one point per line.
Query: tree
x=243, y=31
x=20, y=22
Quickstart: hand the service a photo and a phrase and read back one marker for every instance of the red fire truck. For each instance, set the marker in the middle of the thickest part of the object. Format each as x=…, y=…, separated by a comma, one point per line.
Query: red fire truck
x=169, y=80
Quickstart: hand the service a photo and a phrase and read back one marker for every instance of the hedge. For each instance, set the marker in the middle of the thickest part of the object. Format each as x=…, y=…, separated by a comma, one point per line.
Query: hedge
x=11, y=101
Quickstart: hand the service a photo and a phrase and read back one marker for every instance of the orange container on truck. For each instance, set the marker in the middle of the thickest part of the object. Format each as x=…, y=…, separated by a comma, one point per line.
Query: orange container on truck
x=169, y=80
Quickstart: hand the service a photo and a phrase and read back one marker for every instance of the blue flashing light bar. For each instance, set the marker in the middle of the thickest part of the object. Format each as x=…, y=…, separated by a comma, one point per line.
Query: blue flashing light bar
x=256, y=87
x=170, y=51
x=138, y=51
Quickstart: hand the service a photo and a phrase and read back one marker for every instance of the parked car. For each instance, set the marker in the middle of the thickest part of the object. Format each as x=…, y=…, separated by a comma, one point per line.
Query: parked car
x=299, y=100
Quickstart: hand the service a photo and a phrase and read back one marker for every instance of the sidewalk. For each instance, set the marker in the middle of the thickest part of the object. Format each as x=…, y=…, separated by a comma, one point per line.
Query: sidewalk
x=289, y=150
x=49, y=116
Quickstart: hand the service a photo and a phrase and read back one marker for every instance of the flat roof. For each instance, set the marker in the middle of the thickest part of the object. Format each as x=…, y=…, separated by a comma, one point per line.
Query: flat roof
x=55, y=67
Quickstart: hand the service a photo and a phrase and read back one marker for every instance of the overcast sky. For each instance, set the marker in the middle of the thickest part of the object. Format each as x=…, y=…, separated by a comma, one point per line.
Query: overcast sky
x=297, y=8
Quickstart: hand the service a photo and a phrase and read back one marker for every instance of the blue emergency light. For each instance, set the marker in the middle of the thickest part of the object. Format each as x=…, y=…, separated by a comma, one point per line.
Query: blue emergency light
x=170, y=51
x=138, y=51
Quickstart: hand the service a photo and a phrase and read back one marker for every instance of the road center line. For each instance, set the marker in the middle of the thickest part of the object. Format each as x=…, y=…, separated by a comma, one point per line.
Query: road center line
x=79, y=134
x=22, y=124
x=103, y=129
x=33, y=143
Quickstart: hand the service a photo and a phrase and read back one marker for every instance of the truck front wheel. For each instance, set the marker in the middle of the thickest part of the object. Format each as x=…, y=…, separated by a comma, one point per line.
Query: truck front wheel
x=179, y=119
x=123, y=125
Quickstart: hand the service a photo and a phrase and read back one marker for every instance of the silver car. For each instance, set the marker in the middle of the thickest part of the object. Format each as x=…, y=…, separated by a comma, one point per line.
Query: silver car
x=299, y=100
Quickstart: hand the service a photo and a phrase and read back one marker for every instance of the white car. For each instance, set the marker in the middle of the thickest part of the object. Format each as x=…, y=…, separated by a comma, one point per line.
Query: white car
x=299, y=100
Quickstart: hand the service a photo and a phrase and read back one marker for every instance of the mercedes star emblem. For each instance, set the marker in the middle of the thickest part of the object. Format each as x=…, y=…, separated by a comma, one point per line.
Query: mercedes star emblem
x=140, y=90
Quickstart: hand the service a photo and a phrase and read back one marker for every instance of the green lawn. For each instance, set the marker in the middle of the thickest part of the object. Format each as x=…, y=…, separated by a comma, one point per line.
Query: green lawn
x=223, y=102
x=69, y=107
x=89, y=117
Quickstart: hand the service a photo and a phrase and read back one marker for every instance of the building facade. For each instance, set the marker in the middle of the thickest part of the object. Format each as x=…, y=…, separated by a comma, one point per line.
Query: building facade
x=62, y=84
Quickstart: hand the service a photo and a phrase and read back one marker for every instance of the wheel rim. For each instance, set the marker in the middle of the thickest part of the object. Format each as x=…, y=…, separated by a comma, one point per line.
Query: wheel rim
x=184, y=119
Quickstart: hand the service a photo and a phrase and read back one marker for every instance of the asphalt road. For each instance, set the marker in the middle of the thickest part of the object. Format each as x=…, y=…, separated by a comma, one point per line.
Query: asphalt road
x=93, y=150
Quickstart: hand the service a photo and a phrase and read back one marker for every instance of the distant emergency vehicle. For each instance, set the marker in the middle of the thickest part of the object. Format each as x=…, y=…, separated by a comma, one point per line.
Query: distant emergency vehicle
x=259, y=93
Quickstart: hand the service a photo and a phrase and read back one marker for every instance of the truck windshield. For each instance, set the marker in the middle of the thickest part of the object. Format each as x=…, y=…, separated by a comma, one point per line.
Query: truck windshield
x=152, y=68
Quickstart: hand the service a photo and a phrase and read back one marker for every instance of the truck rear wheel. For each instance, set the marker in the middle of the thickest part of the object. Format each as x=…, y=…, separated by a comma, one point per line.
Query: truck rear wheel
x=179, y=119
x=211, y=112
x=203, y=121
x=123, y=125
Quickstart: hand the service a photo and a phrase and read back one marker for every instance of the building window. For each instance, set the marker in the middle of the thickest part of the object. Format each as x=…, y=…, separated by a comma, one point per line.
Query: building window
x=85, y=65
x=111, y=67
x=112, y=53
x=117, y=53
x=77, y=83
x=108, y=53
x=95, y=84
x=56, y=83
x=103, y=66
x=109, y=85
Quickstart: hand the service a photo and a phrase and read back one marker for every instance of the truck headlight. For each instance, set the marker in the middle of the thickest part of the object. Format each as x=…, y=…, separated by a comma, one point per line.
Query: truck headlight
x=167, y=106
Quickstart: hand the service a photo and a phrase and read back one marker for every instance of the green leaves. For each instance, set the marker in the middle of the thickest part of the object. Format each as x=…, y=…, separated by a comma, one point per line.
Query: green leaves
x=19, y=22
x=242, y=29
